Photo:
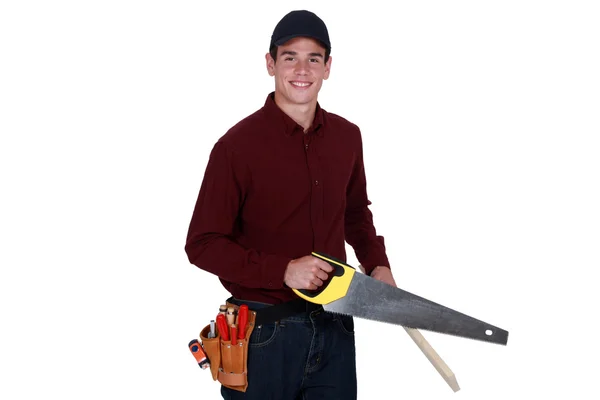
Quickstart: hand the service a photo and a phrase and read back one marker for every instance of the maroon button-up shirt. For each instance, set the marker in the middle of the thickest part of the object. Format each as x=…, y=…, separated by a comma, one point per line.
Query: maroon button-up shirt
x=272, y=193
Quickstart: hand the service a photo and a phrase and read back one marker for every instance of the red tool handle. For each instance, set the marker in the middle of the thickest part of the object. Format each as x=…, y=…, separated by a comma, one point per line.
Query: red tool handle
x=222, y=327
x=242, y=321
x=233, y=334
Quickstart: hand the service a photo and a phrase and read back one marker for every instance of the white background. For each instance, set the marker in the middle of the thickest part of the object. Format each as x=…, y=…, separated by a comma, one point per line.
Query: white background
x=480, y=122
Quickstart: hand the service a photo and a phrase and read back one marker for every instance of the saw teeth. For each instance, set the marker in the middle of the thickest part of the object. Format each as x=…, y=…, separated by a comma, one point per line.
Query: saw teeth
x=410, y=327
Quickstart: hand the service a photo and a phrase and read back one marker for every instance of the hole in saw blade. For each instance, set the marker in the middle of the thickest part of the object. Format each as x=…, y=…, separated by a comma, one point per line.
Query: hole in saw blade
x=489, y=332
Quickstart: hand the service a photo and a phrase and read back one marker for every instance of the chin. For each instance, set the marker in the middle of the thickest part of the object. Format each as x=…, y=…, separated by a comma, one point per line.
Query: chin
x=302, y=99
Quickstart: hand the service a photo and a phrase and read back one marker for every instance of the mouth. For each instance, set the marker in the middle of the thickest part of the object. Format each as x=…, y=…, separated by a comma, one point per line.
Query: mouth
x=300, y=85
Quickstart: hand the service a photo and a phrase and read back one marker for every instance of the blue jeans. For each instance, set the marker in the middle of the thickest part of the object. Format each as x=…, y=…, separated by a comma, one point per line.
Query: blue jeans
x=308, y=356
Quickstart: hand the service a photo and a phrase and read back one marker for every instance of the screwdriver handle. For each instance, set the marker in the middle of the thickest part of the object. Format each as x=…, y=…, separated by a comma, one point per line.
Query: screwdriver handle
x=233, y=334
x=242, y=321
x=230, y=316
x=222, y=327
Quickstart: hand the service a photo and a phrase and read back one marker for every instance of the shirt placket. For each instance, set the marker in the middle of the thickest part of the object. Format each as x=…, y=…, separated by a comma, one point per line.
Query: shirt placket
x=316, y=186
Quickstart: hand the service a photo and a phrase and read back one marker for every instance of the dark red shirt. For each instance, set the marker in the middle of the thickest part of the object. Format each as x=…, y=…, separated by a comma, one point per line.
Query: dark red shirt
x=272, y=193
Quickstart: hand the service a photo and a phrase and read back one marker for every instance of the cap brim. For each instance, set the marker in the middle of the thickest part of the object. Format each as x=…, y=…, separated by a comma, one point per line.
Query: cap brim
x=286, y=39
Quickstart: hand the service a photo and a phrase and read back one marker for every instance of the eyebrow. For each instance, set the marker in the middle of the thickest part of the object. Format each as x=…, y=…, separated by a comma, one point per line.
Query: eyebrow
x=294, y=53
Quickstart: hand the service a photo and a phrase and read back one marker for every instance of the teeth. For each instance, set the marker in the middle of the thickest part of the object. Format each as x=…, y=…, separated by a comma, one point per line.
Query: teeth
x=301, y=84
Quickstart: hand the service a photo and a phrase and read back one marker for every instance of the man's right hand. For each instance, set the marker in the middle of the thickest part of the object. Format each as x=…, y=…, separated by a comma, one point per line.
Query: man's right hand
x=307, y=272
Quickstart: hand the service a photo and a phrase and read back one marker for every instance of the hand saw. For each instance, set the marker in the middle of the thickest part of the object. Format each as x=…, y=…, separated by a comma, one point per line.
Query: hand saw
x=359, y=295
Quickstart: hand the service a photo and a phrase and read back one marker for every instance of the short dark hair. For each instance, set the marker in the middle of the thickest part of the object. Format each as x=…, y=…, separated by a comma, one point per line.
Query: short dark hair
x=274, y=48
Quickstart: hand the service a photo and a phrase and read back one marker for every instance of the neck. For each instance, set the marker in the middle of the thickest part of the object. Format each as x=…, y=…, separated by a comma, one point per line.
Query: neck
x=303, y=114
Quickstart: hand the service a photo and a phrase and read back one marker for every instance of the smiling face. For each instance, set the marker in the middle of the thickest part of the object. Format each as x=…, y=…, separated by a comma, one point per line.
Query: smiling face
x=299, y=72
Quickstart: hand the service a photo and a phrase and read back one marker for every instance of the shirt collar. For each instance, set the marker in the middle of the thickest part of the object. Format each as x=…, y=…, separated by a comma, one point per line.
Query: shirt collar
x=290, y=126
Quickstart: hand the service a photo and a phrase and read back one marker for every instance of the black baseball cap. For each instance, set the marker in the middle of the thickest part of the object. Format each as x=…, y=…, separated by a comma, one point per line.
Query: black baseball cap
x=300, y=23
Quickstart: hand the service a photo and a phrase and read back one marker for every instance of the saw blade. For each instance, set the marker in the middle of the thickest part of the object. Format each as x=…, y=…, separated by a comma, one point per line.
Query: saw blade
x=371, y=299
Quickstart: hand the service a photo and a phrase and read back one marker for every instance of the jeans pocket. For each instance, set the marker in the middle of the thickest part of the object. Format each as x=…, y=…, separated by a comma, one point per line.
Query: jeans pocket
x=263, y=334
x=346, y=324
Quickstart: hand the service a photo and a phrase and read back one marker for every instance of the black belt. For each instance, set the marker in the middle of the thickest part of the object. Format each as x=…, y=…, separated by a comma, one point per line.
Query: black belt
x=281, y=311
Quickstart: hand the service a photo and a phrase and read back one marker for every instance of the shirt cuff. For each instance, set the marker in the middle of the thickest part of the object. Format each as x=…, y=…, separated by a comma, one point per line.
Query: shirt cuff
x=273, y=272
x=375, y=260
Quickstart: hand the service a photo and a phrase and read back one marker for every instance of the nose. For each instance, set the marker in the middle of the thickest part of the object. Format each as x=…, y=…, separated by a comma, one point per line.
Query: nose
x=301, y=67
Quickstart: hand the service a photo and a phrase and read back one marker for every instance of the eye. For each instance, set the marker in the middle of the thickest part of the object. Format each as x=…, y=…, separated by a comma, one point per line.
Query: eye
x=289, y=59
x=314, y=60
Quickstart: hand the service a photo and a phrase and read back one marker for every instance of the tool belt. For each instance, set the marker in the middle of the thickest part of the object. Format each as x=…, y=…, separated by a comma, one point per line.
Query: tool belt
x=228, y=362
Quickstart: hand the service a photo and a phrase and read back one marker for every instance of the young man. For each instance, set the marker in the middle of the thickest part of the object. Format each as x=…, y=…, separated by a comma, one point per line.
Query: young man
x=284, y=182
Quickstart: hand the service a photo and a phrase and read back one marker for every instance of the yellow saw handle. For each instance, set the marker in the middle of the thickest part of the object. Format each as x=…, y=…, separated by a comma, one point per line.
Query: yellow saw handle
x=335, y=288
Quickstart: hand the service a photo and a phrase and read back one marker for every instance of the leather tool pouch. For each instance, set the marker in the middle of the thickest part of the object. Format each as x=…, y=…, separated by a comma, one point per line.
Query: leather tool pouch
x=228, y=362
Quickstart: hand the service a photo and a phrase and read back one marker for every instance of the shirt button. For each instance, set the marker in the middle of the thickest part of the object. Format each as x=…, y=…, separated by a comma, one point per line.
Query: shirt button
x=317, y=183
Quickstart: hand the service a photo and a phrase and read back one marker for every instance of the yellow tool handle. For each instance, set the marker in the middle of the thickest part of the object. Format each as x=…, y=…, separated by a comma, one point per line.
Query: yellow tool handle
x=335, y=288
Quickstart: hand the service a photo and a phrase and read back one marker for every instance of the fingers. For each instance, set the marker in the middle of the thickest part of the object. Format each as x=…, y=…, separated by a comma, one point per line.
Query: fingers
x=317, y=282
x=320, y=274
x=324, y=265
x=307, y=272
x=316, y=278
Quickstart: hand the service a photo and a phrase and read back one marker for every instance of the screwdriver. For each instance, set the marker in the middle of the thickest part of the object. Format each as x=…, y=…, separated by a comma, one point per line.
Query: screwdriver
x=242, y=321
x=230, y=316
x=222, y=327
x=233, y=334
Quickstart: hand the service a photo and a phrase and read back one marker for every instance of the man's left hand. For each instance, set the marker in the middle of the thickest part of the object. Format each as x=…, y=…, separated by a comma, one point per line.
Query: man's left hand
x=383, y=274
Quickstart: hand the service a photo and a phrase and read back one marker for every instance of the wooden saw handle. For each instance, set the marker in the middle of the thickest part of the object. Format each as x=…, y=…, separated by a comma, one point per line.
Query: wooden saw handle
x=434, y=358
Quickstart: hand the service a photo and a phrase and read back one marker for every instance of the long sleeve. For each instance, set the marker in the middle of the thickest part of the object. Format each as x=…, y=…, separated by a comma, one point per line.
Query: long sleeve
x=359, y=230
x=211, y=244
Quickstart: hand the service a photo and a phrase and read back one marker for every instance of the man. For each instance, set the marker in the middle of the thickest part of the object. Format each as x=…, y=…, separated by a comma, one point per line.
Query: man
x=284, y=182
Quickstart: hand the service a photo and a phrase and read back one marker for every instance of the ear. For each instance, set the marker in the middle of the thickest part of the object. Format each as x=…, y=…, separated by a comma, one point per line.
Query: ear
x=270, y=64
x=327, y=68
